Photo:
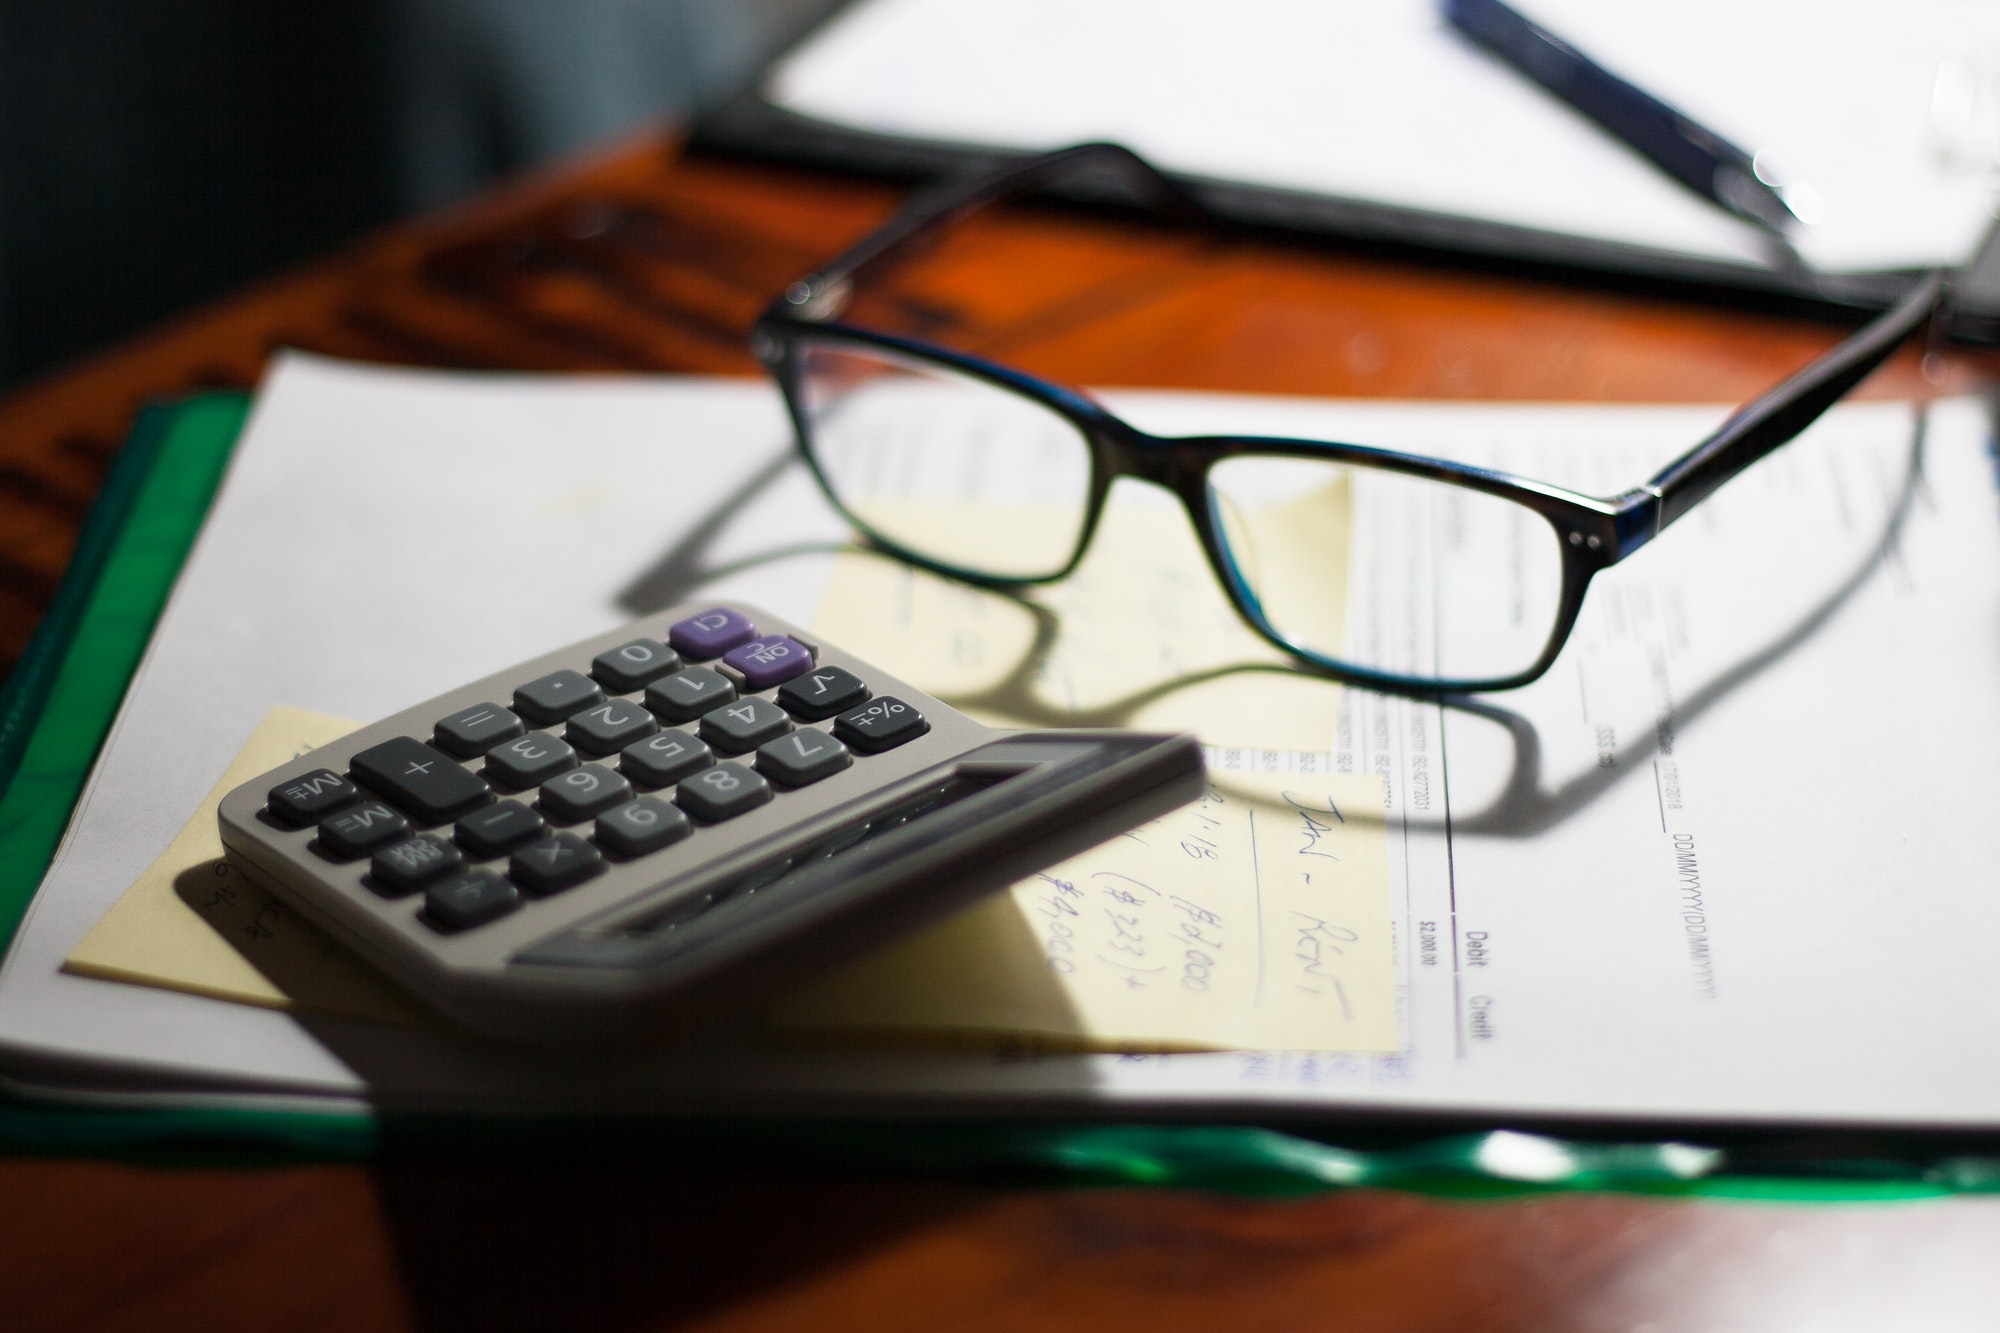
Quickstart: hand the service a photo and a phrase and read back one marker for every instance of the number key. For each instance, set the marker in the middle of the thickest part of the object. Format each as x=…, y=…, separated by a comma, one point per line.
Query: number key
x=641, y=826
x=744, y=725
x=804, y=756
x=582, y=792
x=722, y=792
x=633, y=665
x=529, y=761
x=686, y=695
x=609, y=726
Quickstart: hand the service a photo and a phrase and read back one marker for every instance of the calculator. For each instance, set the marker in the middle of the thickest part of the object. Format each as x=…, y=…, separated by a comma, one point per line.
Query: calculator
x=643, y=834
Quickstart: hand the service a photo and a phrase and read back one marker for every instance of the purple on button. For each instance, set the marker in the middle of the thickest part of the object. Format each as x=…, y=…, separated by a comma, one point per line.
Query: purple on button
x=767, y=662
x=710, y=634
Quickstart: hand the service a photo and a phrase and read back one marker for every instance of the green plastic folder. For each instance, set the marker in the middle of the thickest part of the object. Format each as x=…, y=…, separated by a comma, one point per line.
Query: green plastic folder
x=58, y=706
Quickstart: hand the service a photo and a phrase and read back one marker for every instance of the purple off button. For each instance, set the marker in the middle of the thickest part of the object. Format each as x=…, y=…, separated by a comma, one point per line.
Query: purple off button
x=710, y=634
x=767, y=662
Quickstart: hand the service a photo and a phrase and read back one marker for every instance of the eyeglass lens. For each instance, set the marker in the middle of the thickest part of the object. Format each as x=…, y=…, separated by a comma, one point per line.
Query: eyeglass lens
x=1387, y=571
x=1364, y=566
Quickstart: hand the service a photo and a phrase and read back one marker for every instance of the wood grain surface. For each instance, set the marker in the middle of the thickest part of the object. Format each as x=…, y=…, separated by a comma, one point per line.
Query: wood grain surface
x=644, y=261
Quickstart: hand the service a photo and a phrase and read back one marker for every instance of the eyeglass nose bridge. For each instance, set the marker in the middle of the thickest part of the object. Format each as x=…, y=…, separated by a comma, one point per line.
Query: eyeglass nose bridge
x=1148, y=458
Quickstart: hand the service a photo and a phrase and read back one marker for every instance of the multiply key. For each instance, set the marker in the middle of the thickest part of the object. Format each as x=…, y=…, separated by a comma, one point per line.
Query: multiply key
x=420, y=780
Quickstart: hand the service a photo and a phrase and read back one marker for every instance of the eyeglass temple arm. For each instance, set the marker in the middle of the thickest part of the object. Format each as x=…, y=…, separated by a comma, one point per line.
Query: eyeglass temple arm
x=821, y=293
x=1761, y=426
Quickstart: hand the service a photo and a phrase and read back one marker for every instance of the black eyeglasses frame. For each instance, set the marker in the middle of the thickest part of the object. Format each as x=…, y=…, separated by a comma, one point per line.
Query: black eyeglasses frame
x=1593, y=533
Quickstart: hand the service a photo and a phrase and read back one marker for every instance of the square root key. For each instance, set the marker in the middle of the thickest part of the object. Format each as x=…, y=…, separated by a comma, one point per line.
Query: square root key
x=820, y=693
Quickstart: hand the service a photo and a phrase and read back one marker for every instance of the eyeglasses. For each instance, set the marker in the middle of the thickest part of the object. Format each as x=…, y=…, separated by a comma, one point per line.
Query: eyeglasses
x=1388, y=569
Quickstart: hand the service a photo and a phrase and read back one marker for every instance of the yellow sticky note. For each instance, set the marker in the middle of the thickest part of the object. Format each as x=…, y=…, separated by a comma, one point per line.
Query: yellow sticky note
x=1257, y=918
x=192, y=922
x=1140, y=637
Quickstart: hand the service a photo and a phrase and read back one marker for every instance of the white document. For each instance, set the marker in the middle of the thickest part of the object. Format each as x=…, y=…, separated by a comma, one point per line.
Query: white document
x=1732, y=858
x=1889, y=109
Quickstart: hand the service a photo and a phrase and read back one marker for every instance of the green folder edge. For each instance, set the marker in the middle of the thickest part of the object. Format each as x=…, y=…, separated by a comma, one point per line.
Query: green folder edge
x=59, y=703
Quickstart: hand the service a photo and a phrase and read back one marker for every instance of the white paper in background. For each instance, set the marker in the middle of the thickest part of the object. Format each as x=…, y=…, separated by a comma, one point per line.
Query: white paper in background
x=1732, y=857
x=1886, y=107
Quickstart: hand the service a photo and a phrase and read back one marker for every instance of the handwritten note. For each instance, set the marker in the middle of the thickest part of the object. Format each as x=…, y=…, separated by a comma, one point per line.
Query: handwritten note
x=192, y=922
x=1257, y=918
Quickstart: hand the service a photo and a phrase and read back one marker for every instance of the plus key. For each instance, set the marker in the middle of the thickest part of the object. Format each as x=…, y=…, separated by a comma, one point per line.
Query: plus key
x=422, y=782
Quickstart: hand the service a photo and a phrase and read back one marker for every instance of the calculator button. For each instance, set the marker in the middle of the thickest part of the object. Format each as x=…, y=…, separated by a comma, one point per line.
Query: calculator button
x=664, y=759
x=764, y=662
x=582, y=792
x=710, y=634
x=311, y=797
x=423, y=781
x=686, y=695
x=553, y=864
x=744, y=725
x=405, y=867
x=361, y=829
x=553, y=697
x=500, y=827
x=822, y=692
x=471, y=732
x=609, y=727
x=469, y=898
x=804, y=756
x=528, y=761
x=881, y=725
x=722, y=792
x=632, y=666
x=641, y=826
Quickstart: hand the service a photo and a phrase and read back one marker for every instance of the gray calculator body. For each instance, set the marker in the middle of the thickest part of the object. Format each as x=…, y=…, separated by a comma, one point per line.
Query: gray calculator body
x=660, y=943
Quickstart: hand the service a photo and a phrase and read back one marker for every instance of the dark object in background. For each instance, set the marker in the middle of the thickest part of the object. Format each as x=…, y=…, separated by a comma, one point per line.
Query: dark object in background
x=157, y=153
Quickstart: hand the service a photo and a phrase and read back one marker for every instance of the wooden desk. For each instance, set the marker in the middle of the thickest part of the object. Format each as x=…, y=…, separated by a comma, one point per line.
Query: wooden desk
x=642, y=262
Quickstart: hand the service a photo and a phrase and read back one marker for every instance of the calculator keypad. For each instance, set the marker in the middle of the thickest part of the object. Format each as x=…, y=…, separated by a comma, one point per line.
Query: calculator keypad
x=616, y=782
